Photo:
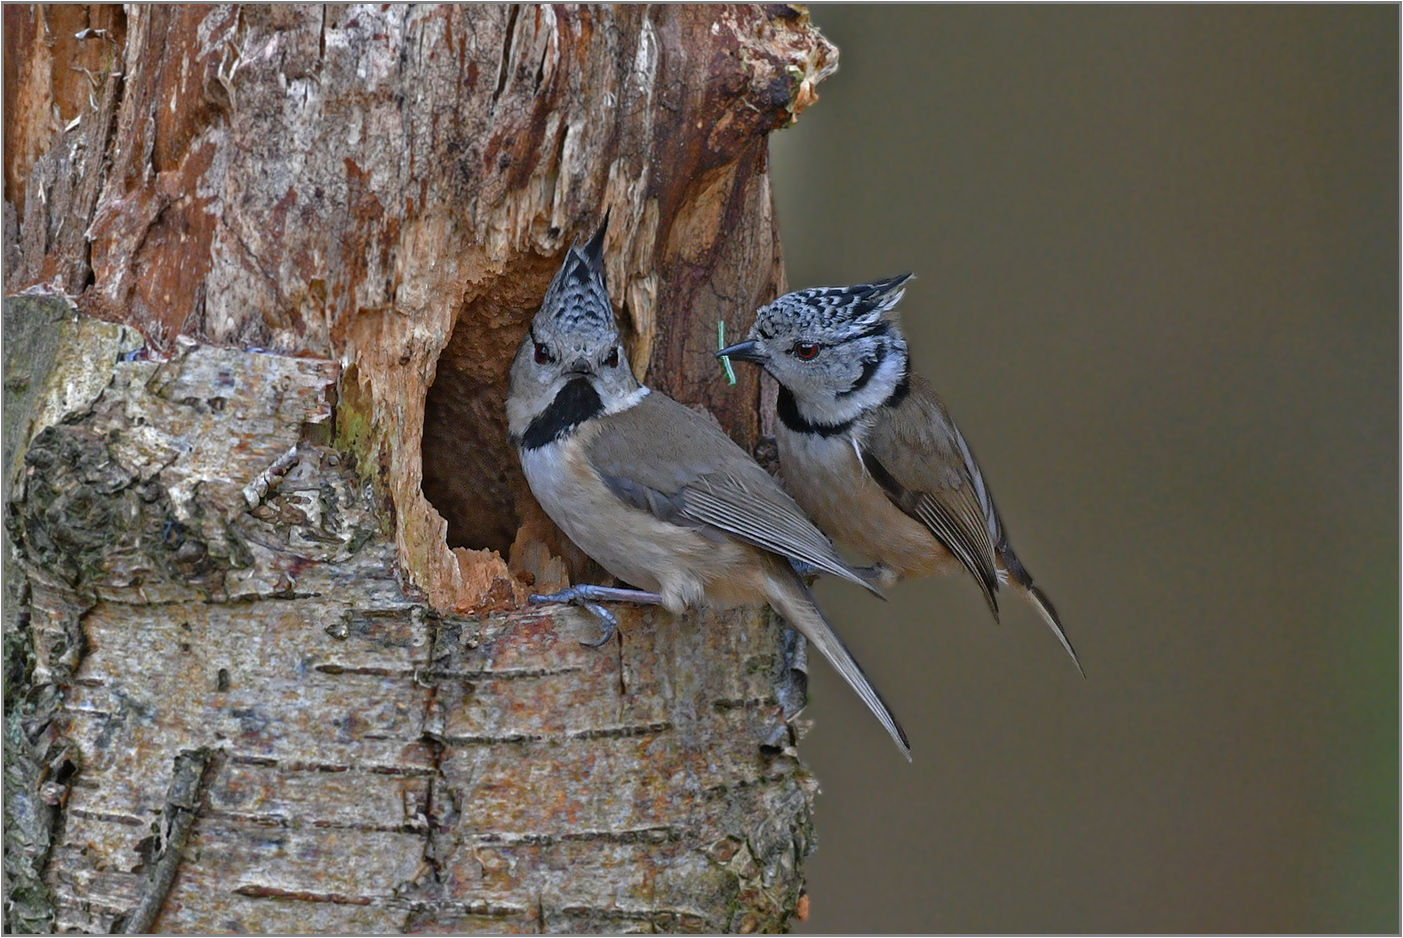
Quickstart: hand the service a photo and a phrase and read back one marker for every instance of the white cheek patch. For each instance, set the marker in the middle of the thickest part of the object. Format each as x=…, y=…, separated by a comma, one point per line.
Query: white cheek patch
x=828, y=407
x=621, y=404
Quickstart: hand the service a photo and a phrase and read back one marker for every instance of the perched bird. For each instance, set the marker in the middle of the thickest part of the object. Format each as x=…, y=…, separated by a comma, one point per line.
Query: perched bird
x=656, y=494
x=870, y=452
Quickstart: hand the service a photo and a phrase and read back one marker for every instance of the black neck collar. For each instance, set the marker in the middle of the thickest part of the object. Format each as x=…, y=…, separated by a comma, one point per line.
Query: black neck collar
x=787, y=409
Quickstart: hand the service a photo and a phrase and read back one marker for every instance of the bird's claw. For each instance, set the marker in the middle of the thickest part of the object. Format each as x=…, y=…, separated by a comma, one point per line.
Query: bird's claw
x=608, y=624
x=581, y=596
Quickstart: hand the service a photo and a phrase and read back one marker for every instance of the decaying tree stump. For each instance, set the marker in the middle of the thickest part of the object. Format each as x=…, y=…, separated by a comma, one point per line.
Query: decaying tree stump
x=267, y=669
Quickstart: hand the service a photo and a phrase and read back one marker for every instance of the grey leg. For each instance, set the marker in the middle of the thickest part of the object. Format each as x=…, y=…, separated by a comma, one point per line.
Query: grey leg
x=591, y=596
x=607, y=594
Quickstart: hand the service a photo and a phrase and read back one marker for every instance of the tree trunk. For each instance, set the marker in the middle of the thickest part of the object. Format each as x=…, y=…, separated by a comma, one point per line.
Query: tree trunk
x=267, y=669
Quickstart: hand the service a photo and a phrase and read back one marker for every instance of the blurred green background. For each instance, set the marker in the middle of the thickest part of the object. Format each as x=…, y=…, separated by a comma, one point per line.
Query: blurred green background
x=1157, y=251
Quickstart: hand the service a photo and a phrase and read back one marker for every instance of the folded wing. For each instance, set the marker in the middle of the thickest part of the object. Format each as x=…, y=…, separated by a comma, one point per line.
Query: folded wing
x=693, y=474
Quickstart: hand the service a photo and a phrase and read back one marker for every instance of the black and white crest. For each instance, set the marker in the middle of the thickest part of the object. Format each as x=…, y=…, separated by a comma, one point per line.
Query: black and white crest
x=826, y=308
x=571, y=366
x=577, y=303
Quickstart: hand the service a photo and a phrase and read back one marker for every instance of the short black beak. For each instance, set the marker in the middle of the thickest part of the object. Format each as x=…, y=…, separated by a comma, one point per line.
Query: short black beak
x=579, y=366
x=744, y=351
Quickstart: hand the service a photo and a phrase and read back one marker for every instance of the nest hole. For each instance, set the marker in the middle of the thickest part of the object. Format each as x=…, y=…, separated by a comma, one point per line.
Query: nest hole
x=471, y=473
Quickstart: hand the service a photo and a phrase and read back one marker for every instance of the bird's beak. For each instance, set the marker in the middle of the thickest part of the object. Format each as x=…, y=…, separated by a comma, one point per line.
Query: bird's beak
x=579, y=366
x=744, y=351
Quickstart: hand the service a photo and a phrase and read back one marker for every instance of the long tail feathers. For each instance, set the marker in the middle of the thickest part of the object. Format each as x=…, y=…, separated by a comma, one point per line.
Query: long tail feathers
x=793, y=600
x=1022, y=581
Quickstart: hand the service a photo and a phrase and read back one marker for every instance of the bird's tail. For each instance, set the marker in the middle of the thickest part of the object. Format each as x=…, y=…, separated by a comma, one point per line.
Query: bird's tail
x=1022, y=581
x=793, y=600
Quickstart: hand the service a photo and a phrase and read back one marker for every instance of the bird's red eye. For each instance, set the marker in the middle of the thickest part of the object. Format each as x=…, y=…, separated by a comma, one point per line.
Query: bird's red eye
x=613, y=360
x=806, y=351
x=543, y=354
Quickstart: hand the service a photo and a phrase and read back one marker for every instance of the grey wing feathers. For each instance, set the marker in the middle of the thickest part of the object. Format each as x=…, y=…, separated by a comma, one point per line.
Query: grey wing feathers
x=669, y=460
x=765, y=521
x=795, y=602
x=961, y=535
x=656, y=503
x=918, y=456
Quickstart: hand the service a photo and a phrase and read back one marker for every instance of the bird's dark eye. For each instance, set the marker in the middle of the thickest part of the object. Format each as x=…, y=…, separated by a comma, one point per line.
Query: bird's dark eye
x=806, y=351
x=613, y=360
x=543, y=354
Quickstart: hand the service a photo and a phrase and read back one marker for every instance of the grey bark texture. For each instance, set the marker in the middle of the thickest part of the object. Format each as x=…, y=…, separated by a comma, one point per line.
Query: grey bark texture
x=268, y=665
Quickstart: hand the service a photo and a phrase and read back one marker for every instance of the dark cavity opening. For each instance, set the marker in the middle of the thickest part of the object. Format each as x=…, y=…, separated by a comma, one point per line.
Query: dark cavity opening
x=471, y=473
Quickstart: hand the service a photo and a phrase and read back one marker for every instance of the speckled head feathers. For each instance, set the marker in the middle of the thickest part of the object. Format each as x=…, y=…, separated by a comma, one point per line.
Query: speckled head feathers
x=577, y=304
x=830, y=308
x=837, y=353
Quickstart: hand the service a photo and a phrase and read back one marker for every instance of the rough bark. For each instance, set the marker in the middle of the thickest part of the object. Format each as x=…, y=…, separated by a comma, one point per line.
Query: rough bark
x=267, y=668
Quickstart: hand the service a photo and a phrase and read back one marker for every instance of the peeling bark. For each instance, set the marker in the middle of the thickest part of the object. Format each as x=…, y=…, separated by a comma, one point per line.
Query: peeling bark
x=260, y=493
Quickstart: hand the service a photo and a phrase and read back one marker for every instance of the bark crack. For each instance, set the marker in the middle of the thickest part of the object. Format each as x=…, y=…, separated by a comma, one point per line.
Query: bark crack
x=255, y=891
x=502, y=68
x=433, y=820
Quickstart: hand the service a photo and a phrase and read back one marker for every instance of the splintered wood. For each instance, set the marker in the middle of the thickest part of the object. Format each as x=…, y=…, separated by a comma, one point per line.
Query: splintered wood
x=363, y=183
x=271, y=664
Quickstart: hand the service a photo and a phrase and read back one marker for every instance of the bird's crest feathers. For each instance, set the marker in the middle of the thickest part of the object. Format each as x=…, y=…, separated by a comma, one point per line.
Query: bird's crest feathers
x=858, y=307
x=577, y=303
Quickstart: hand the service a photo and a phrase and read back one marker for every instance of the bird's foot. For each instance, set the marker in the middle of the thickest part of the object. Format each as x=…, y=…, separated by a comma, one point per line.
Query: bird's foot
x=591, y=598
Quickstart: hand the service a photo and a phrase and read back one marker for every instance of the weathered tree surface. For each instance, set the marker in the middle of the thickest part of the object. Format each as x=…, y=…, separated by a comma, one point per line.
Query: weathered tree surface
x=267, y=667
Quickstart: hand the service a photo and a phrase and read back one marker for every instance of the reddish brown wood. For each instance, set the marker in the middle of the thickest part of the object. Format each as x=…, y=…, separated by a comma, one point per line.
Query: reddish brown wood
x=379, y=195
